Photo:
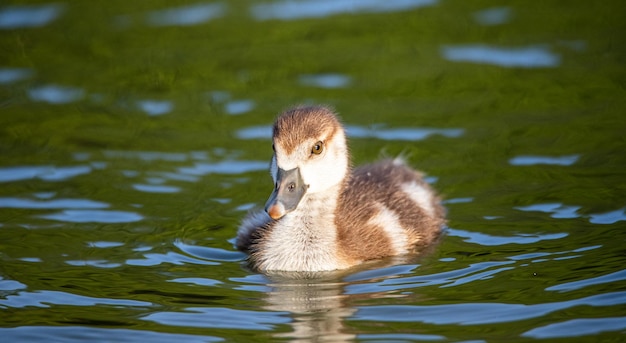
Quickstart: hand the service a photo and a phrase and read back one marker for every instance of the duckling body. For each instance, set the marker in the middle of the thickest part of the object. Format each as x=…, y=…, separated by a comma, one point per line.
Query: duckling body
x=322, y=215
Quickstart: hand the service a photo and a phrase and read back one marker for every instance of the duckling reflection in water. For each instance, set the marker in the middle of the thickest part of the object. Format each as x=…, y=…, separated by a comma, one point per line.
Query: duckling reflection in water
x=323, y=215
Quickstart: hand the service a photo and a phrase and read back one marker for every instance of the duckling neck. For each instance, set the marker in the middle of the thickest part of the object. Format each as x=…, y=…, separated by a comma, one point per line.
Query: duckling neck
x=306, y=239
x=316, y=215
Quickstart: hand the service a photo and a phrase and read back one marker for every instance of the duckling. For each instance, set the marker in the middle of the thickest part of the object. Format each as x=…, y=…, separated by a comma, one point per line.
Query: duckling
x=323, y=215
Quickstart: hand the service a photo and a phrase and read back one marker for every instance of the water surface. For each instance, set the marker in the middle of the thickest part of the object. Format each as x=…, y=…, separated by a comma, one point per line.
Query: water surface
x=134, y=137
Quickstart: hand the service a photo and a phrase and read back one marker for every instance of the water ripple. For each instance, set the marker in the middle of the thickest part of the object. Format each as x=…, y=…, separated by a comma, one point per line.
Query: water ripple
x=525, y=57
x=220, y=317
x=55, y=94
x=237, y=107
x=80, y=334
x=255, y=132
x=252, y=282
x=93, y=263
x=51, y=204
x=477, y=271
x=491, y=240
x=45, y=299
x=104, y=244
x=214, y=254
x=13, y=17
x=224, y=167
x=11, y=75
x=197, y=281
x=479, y=313
x=325, y=80
x=292, y=10
x=531, y=160
x=10, y=285
x=557, y=210
x=400, y=134
x=578, y=327
x=609, y=217
x=155, y=107
x=46, y=173
x=398, y=337
x=148, y=156
x=571, y=286
x=156, y=188
x=187, y=15
x=93, y=216
x=153, y=259
x=493, y=16
x=561, y=211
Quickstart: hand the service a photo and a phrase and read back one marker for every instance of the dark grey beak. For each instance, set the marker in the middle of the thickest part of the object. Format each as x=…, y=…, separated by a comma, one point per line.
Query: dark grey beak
x=289, y=190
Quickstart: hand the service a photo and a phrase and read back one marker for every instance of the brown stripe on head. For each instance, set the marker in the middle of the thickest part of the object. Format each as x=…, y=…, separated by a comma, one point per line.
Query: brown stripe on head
x=299, y=124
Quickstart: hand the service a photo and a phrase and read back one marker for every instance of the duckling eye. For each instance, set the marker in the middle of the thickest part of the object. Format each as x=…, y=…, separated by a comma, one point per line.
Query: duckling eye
x=317, y=148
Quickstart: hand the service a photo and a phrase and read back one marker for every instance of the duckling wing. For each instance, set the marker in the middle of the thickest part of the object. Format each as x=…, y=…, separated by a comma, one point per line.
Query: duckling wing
x=387, y=209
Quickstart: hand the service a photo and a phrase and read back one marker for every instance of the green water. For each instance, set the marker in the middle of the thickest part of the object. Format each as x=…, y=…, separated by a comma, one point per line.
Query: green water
x=134, y=138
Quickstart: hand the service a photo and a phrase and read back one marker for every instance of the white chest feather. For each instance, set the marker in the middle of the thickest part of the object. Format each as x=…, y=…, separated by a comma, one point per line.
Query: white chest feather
x=305, y=239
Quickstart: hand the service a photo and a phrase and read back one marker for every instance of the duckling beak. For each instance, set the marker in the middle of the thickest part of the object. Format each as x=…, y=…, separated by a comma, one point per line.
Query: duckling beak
x=289, y=190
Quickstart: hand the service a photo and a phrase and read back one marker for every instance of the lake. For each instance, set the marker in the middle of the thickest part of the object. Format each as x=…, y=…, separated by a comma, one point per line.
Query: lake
x=135, y=136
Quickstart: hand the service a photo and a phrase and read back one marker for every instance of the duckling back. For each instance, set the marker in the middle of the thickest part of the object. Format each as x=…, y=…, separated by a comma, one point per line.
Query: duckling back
x=386, y=209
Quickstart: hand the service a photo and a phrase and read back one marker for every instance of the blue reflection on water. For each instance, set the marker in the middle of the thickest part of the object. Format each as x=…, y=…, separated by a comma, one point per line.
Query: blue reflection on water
x=291, y=10
x=208, y=253
x=458, y=200
x=55, y=94
x=47, y=173
x=10, y=202
x=479, y=313
x=255, y=132
x=93, y=263
x=155, y=107
x=578, y=327
x=609, y=217
x=571, y=286
x=197, y=281
x=10, y=285
x=491, y=240
x=29, y=16
x=493, y=16
x=220, y=317
x=80, y=334
x=11, y=75
x=237, y=107
x=530, y=160
x=147, y=155
x=45, y=299
x=401, y=134
x=187, y=15
x=154, y=259
x=93, y=216
x=156, y=188
x=473, y=272
x=104, y=244
x=537, y=257
x=398, y=337
x=525, y=57
x=325, y=80
x=557, y=210
x=224, y=167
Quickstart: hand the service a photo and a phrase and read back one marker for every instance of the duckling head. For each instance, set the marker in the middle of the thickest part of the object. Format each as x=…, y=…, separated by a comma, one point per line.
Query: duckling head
x=310, y=156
